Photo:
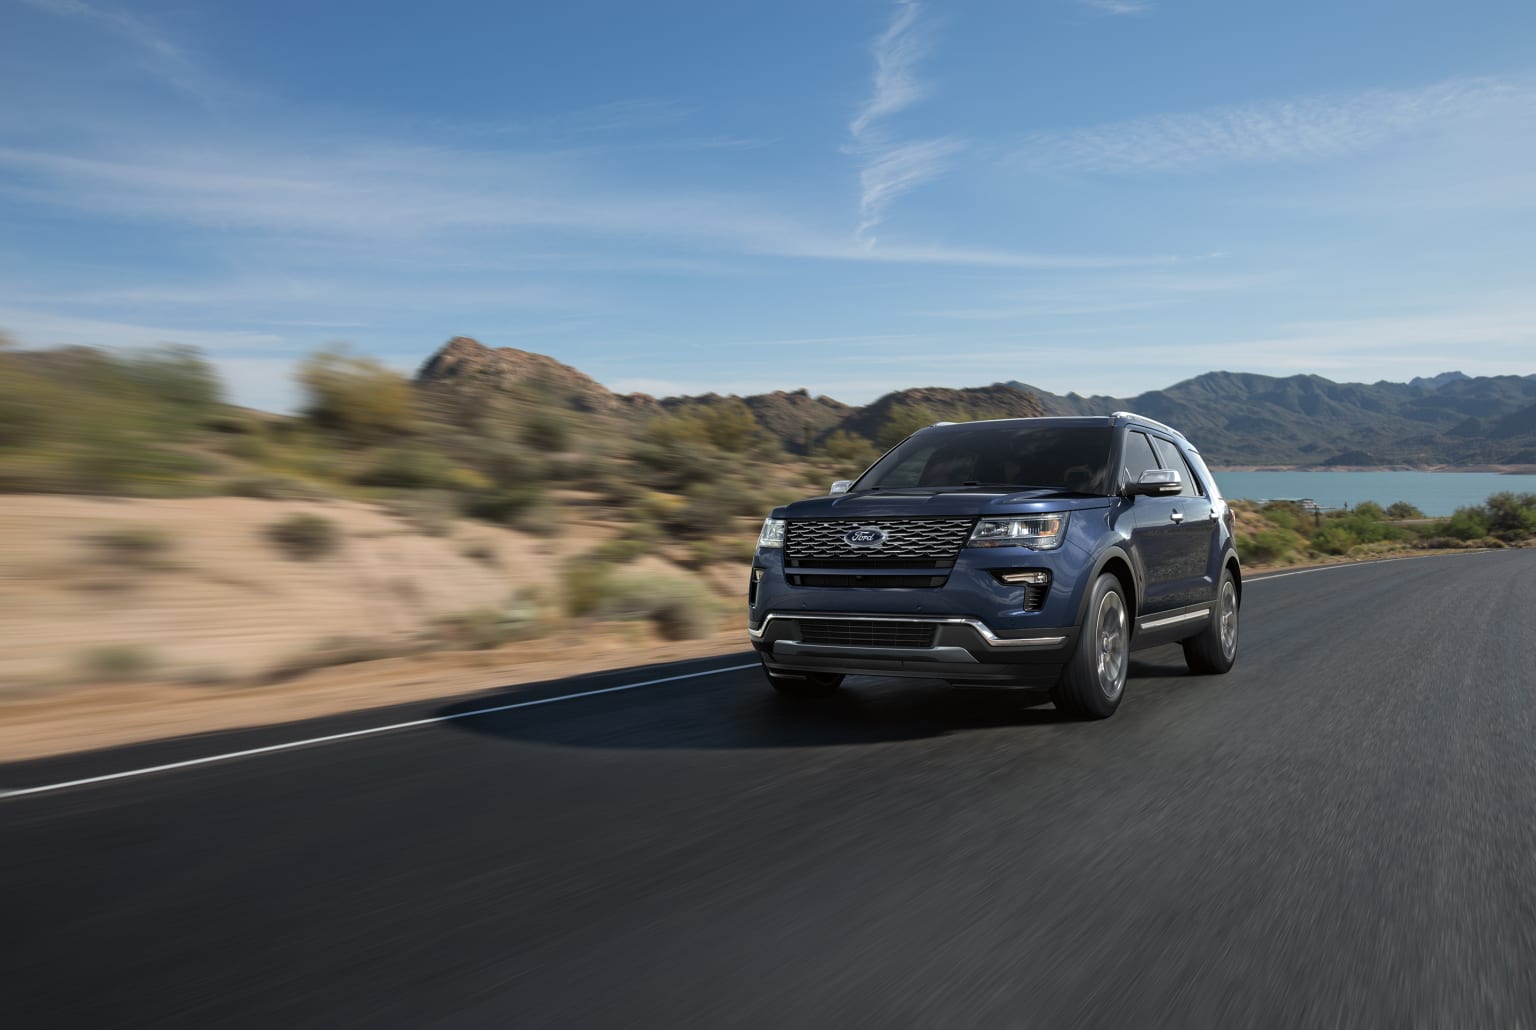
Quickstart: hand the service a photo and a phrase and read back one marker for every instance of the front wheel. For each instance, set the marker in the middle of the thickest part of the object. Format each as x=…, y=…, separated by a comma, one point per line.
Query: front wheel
x=1093, y=680
x=1215, y=649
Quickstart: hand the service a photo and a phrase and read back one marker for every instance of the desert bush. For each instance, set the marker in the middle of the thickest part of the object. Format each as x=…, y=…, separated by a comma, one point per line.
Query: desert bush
x=1334, y=539
x=140, y=547
x=483, y=553
x=585, y=581
x=305, y=537
x=273, y=488
x=852, y=452
x=1288, y=515
x=901, y=421
x=1403, y=510
x=679, y=609
x=546, y=429
x=1464, y=524
x=1511, y=516
x=356, y=395
x=502, y=506
x=340, y=650
x=118, y=662
x=429, y=512
x=408, y=468
x=178, y=380
x=623, y=549
x=1266, y=546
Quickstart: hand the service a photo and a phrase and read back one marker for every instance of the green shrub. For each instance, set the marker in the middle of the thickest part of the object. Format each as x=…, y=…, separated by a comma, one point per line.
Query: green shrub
x=274, y=488
x=547, y=430
x=408, y=468
x=901, y=421
x=849, y=451
x=1403, y=510
x=623, y=550
x=504, y=506
x=1465, y=524
x=356, y=395
x=1289, y=515
x=1266, y=546
x=1334, y=539
x=1511, y=516
x=484, y=629
x=679, y=609
x=305, y=537
x=118, y=662
x=141, y=547
x=586, y=580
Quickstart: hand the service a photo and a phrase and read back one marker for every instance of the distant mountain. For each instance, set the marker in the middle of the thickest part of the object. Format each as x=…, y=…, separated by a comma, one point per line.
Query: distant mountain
x=1246, y=419
x=1236, y=418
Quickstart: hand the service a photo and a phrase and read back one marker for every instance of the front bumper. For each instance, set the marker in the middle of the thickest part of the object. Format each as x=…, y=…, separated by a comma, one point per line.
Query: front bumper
x=963, y=649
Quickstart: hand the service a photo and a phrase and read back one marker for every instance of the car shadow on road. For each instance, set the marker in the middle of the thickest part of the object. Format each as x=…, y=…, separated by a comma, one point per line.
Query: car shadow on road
x=750, y=715
x=741, y=711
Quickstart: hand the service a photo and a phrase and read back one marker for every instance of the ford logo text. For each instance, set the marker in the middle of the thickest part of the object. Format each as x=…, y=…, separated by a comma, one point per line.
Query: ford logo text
x=864, y=536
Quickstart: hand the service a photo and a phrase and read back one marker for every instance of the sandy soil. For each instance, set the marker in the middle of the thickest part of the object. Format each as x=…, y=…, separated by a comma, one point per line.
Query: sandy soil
x=87, y=717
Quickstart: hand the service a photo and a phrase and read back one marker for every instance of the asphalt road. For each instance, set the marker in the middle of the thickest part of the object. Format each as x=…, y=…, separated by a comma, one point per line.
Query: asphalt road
x=1340, y=832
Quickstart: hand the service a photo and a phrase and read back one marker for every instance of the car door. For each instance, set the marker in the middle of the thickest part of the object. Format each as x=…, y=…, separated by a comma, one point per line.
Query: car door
x=1190, y=535
x=1156, y=543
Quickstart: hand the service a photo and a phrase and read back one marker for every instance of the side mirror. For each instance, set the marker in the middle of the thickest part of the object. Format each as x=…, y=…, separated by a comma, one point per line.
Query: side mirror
x=1156, y=483
x=840, y=487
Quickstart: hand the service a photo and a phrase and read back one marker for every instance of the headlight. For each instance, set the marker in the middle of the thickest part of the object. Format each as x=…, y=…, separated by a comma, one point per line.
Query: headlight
x=772, y=534
x=1040, y=532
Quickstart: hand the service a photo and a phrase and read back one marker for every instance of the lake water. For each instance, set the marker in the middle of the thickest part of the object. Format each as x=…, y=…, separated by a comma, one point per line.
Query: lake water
x=1433, y=493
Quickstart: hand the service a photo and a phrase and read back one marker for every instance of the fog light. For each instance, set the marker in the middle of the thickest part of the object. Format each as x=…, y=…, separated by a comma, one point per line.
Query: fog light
x=1033, y=577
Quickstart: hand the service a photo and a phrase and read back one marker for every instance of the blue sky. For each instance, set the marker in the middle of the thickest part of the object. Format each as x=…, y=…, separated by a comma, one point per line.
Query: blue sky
x=1104, y=196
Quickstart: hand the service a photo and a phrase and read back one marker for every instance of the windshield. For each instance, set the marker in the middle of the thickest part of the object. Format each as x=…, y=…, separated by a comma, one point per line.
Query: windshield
x=1067, y=459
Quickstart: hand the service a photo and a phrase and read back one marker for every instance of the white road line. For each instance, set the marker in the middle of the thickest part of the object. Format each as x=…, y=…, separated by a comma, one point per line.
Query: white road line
x=1357, y=565
x=331, y=738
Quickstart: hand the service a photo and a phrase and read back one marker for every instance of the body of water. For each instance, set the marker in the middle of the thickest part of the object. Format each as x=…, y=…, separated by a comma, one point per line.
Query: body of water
x=1433, y=493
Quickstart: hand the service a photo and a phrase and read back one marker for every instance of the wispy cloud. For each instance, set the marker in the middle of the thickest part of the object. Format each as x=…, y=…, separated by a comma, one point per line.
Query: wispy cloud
x=1119, y=6
x=892, y=167
x=358, y=193
x=1308, y=129
x=159, y=54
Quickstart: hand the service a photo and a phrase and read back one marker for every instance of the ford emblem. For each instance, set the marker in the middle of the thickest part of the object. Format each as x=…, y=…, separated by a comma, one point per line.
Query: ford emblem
x=864, y=536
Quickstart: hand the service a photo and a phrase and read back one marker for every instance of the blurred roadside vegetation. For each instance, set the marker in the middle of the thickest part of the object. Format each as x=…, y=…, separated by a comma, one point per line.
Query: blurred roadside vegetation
x=1286, y=533
x=155, y=423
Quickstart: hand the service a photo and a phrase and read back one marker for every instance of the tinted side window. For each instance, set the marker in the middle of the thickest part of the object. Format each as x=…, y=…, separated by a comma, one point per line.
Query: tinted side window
x=1139, y=456
x=1171, y=458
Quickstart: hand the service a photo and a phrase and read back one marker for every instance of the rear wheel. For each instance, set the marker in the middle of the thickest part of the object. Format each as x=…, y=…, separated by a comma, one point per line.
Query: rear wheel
x=804, y=684
x=1214, y=650
x=1093, y=680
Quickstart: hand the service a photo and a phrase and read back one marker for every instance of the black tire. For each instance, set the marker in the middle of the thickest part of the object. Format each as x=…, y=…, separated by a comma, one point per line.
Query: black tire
x=804, y=684
x=1215, y=650
x=1093, y=680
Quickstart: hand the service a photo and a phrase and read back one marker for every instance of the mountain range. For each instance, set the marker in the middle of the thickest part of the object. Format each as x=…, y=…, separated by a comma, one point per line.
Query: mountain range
x=1236, y=418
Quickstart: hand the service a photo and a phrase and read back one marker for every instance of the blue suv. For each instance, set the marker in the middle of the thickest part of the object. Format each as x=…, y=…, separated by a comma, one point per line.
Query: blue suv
x=1016, y=552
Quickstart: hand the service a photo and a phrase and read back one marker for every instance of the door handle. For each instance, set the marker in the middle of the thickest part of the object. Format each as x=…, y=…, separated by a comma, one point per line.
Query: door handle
x=1177, y=516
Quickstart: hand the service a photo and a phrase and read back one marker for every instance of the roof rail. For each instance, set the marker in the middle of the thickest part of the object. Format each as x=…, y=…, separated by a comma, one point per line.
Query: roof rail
x=1154, y=423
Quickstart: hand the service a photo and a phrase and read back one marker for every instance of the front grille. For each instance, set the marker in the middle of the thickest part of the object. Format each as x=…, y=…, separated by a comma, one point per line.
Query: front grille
x=936, y=540
x=867, y=632
x=817, y=579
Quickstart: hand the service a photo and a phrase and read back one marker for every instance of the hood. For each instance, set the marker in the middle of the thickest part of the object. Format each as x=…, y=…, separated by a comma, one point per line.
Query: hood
x=870, y=504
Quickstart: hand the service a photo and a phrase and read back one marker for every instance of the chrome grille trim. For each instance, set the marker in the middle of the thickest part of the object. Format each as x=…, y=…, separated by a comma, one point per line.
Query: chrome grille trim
x=980, y=627
x=905, y=539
